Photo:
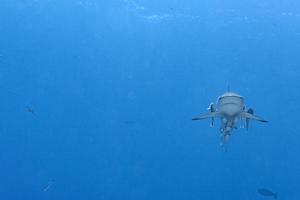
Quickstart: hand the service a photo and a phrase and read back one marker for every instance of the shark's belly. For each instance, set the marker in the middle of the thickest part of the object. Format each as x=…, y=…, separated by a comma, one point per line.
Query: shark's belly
x=230, y=106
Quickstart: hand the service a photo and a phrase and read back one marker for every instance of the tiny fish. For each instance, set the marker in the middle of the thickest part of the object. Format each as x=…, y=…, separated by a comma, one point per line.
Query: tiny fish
x=267, y=193
x=48, y=186
x=30, y=110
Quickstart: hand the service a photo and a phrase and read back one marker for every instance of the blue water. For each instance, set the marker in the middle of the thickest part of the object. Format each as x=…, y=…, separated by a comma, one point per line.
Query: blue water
x=114, y=85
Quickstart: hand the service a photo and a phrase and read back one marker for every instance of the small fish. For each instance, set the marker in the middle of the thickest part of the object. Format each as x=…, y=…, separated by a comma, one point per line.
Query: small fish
x=30, y=110
x=267, y=193
x=48, y=186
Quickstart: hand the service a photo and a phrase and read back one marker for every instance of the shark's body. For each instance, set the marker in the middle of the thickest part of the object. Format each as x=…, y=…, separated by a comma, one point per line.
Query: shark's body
x=231, y=110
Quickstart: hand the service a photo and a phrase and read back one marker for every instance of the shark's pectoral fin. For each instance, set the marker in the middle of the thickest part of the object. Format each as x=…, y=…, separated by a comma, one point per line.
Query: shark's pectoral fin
x=206, y=116
x=251, y=116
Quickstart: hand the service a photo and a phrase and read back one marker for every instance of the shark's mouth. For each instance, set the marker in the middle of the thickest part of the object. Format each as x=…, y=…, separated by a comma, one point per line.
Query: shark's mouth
x=230, y=108
x=223, y=104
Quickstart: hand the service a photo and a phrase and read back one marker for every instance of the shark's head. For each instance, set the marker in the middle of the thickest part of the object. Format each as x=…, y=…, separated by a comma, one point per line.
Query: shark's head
x=230, y=104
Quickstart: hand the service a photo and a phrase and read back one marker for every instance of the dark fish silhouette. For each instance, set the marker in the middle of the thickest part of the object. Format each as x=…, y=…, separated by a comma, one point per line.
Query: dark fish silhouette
x=30, y=110
x=267, y=193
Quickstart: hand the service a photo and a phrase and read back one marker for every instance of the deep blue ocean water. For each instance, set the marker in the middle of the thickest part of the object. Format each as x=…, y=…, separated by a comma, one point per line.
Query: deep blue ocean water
x=114, y=84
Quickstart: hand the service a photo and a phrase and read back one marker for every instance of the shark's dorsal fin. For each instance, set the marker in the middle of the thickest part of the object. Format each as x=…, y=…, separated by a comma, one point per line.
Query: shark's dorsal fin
x=228, y=87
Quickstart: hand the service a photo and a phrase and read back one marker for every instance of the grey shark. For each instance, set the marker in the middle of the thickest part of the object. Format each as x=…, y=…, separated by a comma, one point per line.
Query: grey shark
x=230, y=108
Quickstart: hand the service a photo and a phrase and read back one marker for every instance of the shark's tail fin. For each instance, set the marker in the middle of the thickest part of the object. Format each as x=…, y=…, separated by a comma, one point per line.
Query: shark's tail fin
x=275, y=195
x=224, y=141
